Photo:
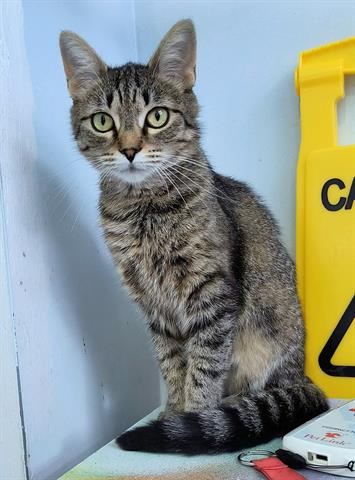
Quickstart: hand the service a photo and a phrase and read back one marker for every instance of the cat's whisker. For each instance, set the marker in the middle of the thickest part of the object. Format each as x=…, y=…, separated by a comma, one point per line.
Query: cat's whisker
x=77, y=216
x=177, y=177
x=69, y=206
x=177, y=167
x=61, y=193
x=189, y=160
x=57, y=171
x=157, y=169
x=191, y=189
x=212, y=194
x=165, y=174
x=59, y=189
x=102, y=157
x=154, y=150
x=174, y=185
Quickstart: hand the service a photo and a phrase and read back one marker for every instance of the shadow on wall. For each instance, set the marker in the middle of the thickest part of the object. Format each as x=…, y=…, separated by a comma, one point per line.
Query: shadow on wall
x=116, y=353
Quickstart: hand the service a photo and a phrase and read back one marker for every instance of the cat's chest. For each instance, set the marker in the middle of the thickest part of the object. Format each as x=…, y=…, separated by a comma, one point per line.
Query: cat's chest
x=152, y=256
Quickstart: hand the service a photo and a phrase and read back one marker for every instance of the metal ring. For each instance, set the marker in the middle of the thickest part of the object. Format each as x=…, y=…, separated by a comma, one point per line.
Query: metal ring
x=256, y=453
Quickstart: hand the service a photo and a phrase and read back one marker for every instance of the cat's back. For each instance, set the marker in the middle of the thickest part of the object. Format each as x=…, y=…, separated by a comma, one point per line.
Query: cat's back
x=240, y=200
x=257, y=232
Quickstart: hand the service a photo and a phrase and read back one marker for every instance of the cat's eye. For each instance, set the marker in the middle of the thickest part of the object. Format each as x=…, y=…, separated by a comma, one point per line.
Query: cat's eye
x=157, y=118
x=102, y=122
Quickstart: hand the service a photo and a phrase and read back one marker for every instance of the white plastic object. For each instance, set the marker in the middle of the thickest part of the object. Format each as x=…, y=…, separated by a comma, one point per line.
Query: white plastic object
x=328, y=439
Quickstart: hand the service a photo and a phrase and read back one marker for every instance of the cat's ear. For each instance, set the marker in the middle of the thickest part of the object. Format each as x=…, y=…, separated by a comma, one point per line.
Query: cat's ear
x=82, y=65
x=175, y=58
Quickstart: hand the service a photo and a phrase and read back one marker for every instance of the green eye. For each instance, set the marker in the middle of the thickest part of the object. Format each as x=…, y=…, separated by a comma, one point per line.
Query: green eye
x=157, y=118
x=102, y=122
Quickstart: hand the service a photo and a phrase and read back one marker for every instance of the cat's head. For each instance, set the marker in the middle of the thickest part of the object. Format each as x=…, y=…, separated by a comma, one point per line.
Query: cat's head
x=134, y=121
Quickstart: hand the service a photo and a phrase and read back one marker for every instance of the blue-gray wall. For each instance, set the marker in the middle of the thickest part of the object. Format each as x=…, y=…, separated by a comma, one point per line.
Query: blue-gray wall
x=247, y=53
x=87, y=369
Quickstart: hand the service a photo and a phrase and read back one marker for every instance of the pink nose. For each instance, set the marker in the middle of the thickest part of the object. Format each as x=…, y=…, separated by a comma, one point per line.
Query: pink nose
x=129, y=153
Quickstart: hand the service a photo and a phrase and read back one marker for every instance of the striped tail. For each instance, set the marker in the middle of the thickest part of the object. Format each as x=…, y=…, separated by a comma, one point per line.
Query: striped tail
x=242, y=422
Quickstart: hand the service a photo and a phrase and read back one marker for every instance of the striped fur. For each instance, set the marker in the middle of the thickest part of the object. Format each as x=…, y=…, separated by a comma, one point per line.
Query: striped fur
x=244, y=422
x=198, y=252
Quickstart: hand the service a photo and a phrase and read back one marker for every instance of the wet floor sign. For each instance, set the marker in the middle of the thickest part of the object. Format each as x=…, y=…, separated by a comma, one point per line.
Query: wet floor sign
x=325, y=247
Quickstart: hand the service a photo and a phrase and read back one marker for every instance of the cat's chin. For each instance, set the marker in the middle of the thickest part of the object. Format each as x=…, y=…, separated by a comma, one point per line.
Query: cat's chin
x=133, y=175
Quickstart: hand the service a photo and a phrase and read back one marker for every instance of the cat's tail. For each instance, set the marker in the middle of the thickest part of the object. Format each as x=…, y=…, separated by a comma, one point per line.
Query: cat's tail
x=242, y=422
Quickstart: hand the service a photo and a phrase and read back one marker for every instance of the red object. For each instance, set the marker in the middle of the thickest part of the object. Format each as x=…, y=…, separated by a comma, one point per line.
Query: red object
x=273, y=469
x=351, y=409
x=332, y=435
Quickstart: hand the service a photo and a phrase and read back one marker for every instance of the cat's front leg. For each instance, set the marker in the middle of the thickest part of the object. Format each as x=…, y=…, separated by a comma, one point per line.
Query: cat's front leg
x=172, y=364
x=209, y=350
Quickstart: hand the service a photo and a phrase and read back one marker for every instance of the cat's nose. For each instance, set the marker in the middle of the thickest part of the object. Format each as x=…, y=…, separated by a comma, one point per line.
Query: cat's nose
x=129, y=153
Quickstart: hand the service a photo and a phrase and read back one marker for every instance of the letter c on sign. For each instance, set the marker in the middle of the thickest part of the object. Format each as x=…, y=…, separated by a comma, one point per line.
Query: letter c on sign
x=325, y=200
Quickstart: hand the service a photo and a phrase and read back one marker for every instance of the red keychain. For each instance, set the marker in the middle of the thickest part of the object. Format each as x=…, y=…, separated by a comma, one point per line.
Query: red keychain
x=271, y=466
x=273, y=469
x=281, y=464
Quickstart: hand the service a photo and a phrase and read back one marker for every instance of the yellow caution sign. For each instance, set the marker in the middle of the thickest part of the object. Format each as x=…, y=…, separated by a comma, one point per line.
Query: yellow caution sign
x=325, y=247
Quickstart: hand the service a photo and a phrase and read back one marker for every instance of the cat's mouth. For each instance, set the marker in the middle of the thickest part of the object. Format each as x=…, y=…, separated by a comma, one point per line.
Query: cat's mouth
x=133, y=173
x=132, y=168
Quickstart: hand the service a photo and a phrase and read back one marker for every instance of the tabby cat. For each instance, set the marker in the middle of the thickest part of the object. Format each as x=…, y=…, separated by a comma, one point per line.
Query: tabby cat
x=198, y=252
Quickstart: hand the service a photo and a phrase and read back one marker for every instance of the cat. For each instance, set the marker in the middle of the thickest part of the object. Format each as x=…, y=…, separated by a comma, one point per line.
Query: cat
x=198, y=251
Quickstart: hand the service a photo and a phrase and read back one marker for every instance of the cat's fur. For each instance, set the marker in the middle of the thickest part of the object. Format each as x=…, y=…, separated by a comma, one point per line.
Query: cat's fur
x=200, y=254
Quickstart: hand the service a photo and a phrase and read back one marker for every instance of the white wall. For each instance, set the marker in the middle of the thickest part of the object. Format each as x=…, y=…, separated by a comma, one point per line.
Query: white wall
x=247, y=52
x=13, y=73
x=85, y=361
